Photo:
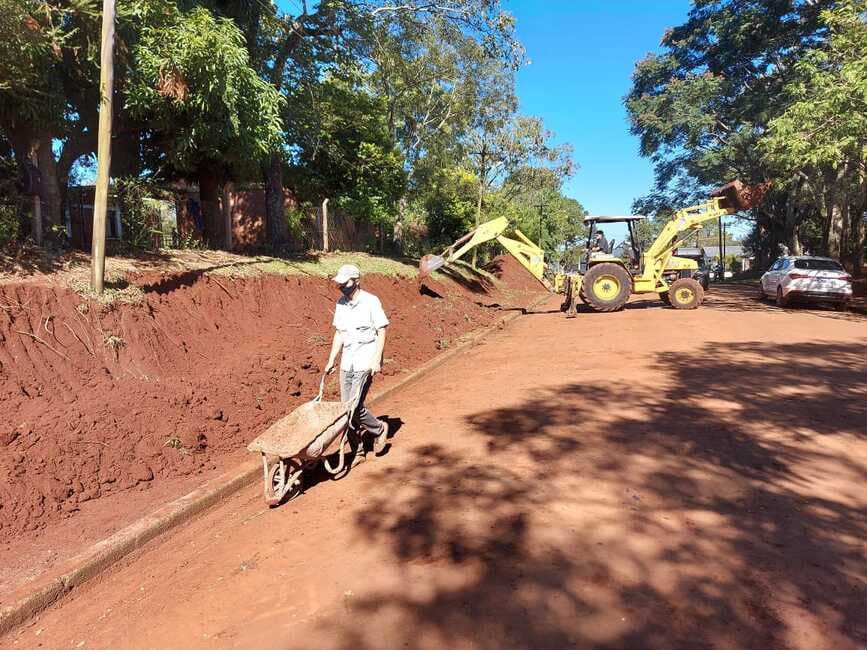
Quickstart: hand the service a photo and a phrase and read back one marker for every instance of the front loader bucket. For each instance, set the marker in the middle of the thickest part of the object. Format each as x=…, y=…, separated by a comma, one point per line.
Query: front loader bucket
x=429, y=264
x=737, y=196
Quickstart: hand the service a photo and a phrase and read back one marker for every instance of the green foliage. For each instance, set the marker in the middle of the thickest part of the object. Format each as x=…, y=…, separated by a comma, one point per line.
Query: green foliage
x=531, y=197
x=825, y=122
x=294, y=218
x=348, y=155
x=140, y=219
x=401, y=114
x=31, y=37
x=450, y=205
x=9, y=224
x=767, y=91
x=192, y=83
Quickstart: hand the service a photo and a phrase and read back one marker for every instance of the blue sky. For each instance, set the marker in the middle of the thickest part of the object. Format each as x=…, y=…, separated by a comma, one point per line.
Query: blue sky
x=582, y=53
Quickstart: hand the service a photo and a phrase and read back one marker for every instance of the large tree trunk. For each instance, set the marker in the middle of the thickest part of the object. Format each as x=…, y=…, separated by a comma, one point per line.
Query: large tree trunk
x=51, y=195
x=833, y=230
x=209, y=195
x=792, y=223
x=275, y=217
x=832, y=234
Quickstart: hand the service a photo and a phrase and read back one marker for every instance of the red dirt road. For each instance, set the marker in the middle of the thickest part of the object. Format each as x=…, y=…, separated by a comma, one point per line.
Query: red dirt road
x=645, y=479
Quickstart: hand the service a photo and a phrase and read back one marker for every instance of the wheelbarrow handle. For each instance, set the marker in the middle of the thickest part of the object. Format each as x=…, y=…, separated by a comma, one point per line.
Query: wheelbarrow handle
x=321, y=392
x=355, y=398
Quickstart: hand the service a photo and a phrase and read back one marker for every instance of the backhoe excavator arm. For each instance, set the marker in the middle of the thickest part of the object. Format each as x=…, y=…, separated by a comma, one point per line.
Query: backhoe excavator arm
x=528, y=254
x=686, y=220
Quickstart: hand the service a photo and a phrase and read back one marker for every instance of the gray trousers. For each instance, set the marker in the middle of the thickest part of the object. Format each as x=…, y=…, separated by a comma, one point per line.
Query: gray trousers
x=350, y=383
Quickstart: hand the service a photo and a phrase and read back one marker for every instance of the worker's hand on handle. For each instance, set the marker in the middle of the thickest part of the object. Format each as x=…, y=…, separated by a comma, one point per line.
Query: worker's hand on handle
x=329, y=367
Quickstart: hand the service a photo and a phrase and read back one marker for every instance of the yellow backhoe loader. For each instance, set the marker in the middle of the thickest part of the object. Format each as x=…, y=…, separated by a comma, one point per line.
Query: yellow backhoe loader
x=605, y=281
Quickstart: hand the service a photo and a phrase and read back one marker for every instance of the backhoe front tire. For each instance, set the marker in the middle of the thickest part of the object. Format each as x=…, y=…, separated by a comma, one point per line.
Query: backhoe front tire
x=606, y=287
x=686, y=293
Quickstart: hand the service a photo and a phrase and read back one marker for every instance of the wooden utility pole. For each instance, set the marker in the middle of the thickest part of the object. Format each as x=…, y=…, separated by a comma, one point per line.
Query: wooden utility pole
x=103, y=152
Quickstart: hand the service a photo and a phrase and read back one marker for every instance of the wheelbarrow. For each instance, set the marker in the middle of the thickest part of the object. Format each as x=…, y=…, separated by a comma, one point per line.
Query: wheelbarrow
x=313, y=432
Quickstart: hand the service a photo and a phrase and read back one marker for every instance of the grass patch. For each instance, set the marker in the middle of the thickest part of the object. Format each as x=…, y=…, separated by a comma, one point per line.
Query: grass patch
x=325, y=265
x=114, y=342
x=114, y=290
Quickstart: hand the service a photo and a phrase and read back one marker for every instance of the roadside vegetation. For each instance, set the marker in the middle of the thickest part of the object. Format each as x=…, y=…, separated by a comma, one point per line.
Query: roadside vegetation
x=771, y=92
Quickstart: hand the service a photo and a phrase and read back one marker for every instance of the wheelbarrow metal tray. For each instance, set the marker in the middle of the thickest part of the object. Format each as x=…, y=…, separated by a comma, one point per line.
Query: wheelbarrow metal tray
x=309, y=430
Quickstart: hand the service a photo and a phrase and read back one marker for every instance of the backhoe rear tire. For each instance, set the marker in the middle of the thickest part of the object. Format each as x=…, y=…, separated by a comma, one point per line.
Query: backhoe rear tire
x=606, y=287
x=686, y=293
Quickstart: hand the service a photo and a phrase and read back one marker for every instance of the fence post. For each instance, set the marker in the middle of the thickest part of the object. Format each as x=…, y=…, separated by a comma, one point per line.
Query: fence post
x=325, y=225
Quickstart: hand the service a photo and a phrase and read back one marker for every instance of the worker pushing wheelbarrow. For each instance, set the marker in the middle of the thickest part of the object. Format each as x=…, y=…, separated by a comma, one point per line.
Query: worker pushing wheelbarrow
x=317, y=430
x=320, y=429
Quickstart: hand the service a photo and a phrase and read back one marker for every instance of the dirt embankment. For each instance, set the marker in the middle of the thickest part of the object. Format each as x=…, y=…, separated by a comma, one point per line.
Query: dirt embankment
x=507, y=270
x=98, y=399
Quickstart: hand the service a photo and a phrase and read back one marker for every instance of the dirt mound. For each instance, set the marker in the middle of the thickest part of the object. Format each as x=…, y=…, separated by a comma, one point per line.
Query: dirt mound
x=510, y=271
x=99, y=399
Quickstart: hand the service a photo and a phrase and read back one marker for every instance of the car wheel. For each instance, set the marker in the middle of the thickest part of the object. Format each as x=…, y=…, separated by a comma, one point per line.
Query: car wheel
x=782, y=301
x=841, y=306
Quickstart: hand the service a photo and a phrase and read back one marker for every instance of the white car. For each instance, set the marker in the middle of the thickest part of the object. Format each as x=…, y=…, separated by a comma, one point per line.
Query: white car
x=807, y=278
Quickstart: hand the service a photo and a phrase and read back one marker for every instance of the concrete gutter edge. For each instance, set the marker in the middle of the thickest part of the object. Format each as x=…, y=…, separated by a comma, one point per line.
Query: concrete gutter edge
x=105, y=553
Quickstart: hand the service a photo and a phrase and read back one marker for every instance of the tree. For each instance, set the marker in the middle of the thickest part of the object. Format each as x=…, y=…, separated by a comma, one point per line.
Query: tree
x=48, y=88
x=208, y=113
x=293, y=51
x=822, y=133
x=702, y=106
x=348, y=154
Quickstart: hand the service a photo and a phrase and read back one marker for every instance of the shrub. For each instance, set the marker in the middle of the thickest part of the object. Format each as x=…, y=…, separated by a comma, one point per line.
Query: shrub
x=10, y=226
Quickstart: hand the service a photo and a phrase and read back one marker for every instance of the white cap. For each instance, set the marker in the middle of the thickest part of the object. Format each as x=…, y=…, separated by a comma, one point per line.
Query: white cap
x=346, y=273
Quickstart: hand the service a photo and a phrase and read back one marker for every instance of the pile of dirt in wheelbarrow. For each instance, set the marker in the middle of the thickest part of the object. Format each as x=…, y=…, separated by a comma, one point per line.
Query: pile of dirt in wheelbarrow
x=507, y=269
x=106, y=400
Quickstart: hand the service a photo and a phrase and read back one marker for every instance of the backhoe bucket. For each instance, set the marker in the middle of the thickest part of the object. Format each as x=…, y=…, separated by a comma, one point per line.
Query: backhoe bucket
x=737, y=196
x=429, y=264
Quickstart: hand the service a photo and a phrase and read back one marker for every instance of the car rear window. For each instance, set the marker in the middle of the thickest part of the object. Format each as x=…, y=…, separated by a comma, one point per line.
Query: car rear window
x=818, y=265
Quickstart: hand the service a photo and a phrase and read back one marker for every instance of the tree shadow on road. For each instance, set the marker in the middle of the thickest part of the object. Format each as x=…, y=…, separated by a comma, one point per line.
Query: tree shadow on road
x=745, y=298
x=722, y=507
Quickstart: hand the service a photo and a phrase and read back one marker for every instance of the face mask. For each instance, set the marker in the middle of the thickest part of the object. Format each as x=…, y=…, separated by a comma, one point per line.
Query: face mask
x=348, y=289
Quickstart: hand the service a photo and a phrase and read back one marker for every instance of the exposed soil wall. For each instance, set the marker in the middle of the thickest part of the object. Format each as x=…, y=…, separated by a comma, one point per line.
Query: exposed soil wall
x=507, y=270
x=99, y=399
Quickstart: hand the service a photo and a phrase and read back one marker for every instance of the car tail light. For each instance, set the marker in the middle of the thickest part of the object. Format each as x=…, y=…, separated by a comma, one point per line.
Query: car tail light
x=798, y=276
x=845, y=278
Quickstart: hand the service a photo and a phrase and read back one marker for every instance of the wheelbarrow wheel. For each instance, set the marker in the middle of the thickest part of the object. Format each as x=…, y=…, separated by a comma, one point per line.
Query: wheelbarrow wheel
x=282, y=481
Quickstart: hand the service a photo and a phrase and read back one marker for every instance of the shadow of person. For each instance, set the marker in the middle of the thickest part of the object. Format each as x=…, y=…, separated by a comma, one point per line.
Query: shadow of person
x=394, y=425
